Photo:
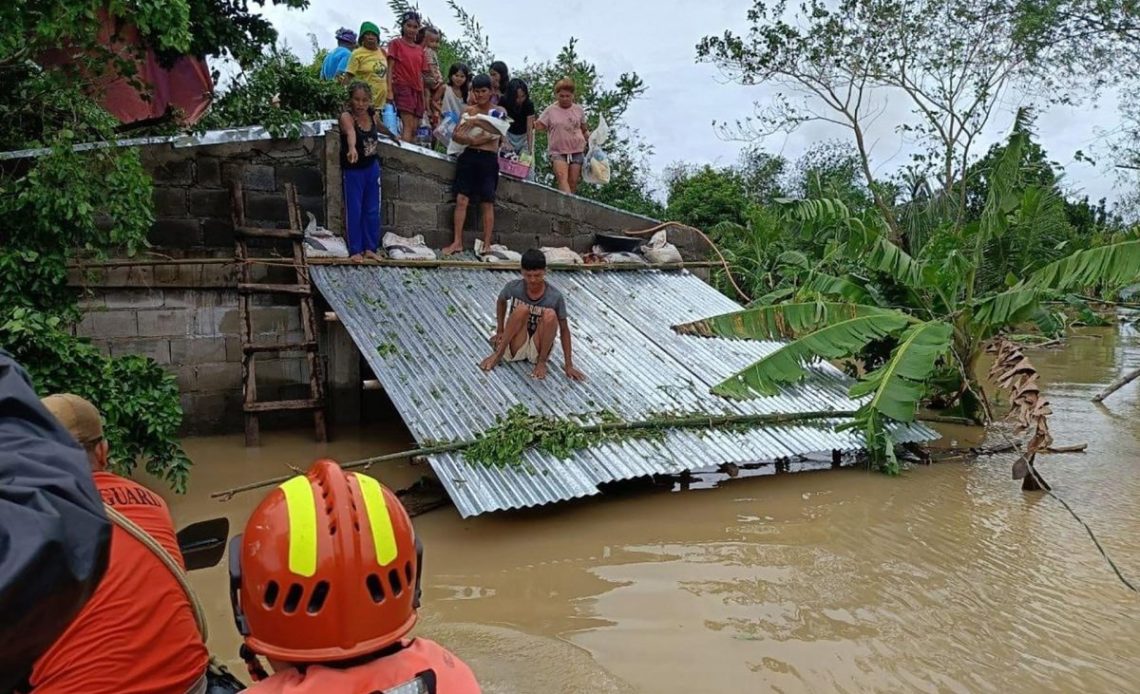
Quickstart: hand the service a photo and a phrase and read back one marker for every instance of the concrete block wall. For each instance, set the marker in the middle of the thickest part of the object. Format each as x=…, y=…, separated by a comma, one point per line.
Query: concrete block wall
x=192, y=189
x=185, y=315
x=416, y=199
x=194, y=332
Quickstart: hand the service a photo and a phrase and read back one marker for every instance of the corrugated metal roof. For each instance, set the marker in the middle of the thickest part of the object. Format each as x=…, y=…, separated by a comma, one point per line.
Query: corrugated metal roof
x=424, y=332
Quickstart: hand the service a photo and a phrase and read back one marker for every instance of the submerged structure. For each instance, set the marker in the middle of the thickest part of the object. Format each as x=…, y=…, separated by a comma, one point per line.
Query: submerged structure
x=424, y=331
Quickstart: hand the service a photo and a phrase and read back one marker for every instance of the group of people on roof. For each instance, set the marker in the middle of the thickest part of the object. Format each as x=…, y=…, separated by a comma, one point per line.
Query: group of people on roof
x=495, y=115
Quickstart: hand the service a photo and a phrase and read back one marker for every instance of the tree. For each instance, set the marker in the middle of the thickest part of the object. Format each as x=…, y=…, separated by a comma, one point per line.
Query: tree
x=69, y=203
x=952, y=61
x=933, y=312
x=278, y=92
x=703, y=197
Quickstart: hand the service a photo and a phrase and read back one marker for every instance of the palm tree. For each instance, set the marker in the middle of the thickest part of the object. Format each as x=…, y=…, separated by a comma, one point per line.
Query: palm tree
x=934, y=311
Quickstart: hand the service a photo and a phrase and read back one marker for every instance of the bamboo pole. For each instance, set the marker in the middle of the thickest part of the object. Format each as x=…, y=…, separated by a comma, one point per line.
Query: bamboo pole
x=480, y=265
x=686, y=422
x=1117, y=385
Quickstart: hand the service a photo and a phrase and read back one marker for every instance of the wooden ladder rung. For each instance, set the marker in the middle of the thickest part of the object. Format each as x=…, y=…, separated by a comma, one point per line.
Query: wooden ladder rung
x=264, y=233
x=255, y=288
x=282, y=405
x=255, y=348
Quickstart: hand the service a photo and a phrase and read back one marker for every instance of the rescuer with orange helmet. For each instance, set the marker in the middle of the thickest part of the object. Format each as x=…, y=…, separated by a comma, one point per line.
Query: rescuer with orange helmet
x=325, y=583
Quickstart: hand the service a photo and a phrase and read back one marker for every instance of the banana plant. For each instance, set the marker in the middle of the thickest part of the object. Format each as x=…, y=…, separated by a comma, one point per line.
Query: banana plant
x=933, y=308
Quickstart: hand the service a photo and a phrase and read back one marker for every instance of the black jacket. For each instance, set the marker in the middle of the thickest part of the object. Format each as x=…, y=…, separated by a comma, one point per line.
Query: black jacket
x=54, y=536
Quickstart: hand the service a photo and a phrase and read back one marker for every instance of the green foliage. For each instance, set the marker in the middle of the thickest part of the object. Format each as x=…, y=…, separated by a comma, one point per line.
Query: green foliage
x=703, y=197
x=89, y=203
x=841, y=338
x=139, y=400
x=278, y=92
x=503, y=444
x=225, y=28
x=840, y=289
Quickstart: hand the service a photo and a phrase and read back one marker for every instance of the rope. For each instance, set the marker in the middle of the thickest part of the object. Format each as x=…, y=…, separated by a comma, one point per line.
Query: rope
x=159, y=551
x=723, y=261
x=1092, y=536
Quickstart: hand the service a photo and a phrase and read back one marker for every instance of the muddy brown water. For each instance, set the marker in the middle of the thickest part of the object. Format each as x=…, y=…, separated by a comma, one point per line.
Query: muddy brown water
x=947, y=579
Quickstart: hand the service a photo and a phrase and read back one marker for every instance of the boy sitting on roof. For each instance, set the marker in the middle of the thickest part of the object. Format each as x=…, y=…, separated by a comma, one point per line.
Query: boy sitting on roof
x=537, y=315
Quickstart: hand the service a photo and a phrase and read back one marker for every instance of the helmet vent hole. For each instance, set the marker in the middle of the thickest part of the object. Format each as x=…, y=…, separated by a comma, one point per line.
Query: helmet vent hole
x=271, y=591
x=408, y=572
x=293, y=598
x=375, y=588
x=394, y=580
x=317, y=599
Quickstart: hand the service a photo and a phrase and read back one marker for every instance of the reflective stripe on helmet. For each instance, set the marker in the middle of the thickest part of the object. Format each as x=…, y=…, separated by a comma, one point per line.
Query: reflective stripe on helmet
x=383, y=535
x=302, y=509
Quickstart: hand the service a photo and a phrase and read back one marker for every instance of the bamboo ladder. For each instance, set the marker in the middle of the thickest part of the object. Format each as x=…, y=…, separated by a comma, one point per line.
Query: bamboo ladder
x=247, y=288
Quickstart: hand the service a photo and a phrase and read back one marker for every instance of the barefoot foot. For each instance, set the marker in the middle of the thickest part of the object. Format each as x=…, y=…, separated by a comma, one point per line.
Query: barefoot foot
x=453, y=249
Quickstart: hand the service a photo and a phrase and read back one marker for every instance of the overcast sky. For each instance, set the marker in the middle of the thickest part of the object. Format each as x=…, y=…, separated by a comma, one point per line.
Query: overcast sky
x=657, y=40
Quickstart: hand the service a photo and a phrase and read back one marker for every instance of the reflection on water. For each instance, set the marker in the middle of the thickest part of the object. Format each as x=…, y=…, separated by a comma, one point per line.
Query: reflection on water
x=946, y=579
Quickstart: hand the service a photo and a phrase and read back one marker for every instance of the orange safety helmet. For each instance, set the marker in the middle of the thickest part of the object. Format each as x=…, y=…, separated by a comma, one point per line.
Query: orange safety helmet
x=328, y=569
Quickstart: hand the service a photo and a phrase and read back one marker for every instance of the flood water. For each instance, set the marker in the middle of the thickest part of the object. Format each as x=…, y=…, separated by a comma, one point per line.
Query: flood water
x=947, y=579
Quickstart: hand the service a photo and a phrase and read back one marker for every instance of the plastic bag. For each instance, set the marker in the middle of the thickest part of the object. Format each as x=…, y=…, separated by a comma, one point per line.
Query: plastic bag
x=596, y=169
x=404, y=248
x=496, y=253
x=446, y=126
x=659, y=251
x=561, y=256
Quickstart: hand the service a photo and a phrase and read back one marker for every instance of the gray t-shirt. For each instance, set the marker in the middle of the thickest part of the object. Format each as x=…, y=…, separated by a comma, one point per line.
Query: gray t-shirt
x=515, y=293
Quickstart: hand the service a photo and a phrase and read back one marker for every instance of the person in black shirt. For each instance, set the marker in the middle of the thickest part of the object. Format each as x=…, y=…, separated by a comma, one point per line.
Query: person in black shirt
x=360, y=167
x=520, y=108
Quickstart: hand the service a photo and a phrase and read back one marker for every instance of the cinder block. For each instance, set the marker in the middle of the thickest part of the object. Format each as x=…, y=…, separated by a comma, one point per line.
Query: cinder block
x=534, y=222
x=314, y=204
x=389, y=185
x=208, y=172
x=276, y=320
x=415, y=216
x=219, y=275
x=180, y=298
x=276, y=372
x=198, y=350
x=175, y=171
x=170, y=202
x=158, y=350
x=307, y=179
x=210, y=203
x=90, y=300
x=518, y=242
x=175, y=233
x=269, y=209
x=109, y=324
x=415, y=188
x=259, y=177
x=212, y=321
x=187, y=378
x=224, y=376
x=133, y=298
x=165, y=322
x=233, y=348
x=218, y=233
x=506, y=220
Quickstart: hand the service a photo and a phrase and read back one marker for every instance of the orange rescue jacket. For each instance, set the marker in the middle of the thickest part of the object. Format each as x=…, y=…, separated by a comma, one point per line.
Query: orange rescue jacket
x=417, y=657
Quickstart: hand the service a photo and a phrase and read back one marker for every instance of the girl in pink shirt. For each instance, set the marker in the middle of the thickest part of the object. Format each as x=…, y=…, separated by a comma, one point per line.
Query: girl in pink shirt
x=565, y=124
